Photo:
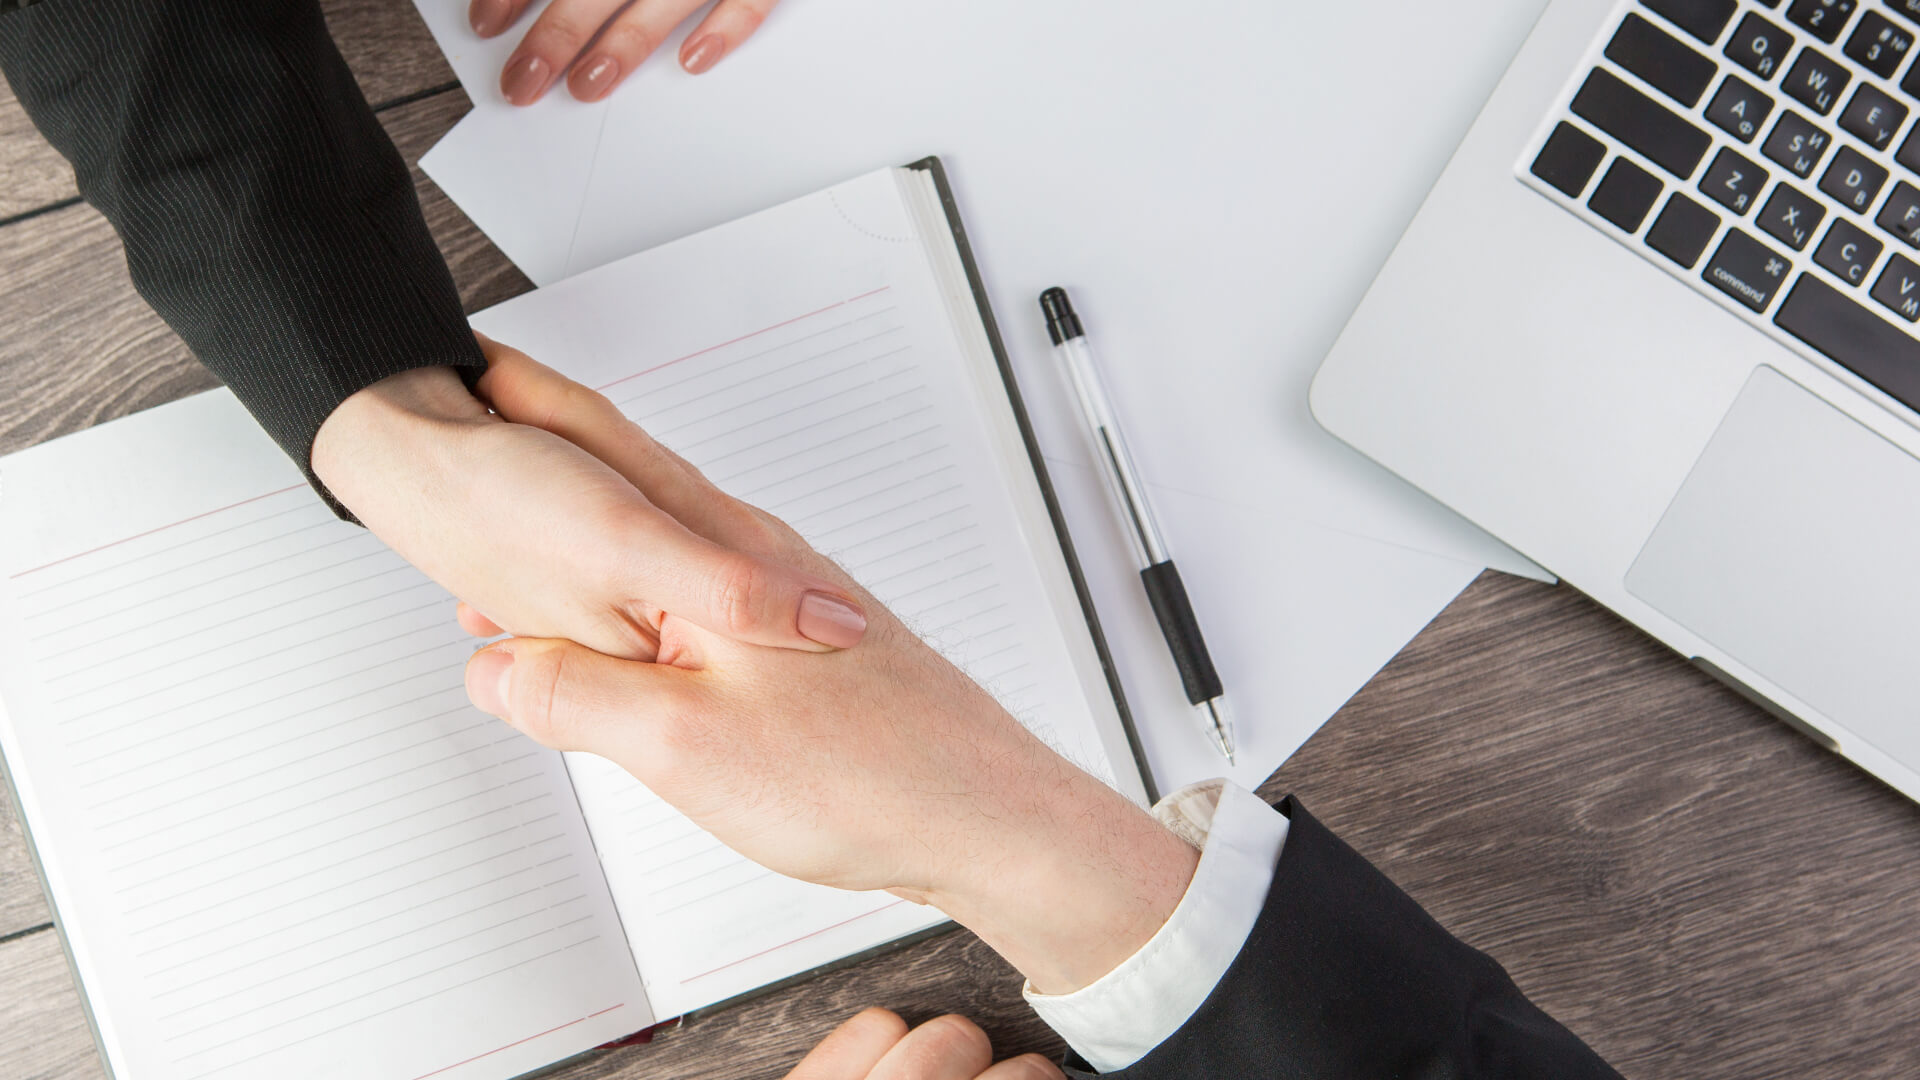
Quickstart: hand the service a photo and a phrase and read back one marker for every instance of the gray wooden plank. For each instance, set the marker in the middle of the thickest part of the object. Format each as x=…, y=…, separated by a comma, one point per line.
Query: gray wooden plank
x=22, y=904
x=384, y=42
x=43, y=1033
x=1689, y=885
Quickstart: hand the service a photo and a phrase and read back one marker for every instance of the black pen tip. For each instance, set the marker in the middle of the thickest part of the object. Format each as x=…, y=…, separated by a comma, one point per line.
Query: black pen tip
x=1062, y=324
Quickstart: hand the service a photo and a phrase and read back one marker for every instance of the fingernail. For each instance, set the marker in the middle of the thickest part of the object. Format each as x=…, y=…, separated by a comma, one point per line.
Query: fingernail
x=489, y=17
x=596, y=79
x=703, y=54
x=487, y=681
x=830, y=620
x=525, y=79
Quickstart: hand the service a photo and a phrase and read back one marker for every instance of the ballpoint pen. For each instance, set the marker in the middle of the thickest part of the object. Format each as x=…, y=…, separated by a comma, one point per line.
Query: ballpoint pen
x=1162, y=579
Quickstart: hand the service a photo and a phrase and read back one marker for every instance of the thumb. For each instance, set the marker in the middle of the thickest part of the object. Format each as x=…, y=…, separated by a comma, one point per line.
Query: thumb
x=567, y=697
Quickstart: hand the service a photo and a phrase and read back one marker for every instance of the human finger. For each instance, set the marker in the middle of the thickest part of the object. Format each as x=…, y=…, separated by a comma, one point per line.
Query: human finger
x=552, y=43
x=725, y=27
x=629, y=37
x=565, y=696
x=490, y=18
x=854, y=1048
x=687, y=548
x=473, y=622
x=1024, y=1067
x=944, y=1048
x=525, y=391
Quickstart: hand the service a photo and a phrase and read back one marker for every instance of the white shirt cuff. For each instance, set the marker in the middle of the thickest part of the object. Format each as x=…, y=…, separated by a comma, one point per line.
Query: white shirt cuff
x=1140, y=1004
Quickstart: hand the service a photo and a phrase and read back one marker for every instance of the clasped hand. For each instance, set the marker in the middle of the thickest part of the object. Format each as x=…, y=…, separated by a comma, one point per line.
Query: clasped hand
x=657, y=623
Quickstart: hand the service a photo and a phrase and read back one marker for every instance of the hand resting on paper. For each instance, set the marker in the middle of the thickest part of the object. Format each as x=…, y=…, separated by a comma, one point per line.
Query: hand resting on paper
x=876, y=1045
x=882, y=767
x=598, y=43
x=546, y=539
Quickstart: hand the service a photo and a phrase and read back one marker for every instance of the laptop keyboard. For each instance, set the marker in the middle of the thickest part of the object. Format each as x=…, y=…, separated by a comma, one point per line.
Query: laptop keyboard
x=1766, y=152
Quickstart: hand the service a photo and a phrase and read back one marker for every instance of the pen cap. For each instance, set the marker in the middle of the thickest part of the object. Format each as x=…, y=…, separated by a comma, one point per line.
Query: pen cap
x=1062, y=324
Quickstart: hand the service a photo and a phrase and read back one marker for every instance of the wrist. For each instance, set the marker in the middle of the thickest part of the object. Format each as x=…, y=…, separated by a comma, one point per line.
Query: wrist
x=1085, y=880
x=378, y=421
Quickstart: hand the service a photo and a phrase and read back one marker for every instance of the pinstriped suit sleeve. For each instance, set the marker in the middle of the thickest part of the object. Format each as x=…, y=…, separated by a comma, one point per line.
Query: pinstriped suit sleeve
x=265, y=214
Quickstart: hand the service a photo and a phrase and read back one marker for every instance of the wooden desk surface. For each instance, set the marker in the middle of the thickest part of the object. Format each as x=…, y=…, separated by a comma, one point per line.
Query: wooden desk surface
x=1694, y=889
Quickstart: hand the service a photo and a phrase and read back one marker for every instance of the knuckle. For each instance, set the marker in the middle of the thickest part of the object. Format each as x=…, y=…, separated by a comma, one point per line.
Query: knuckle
x=741, y=589
x=630, y=39
x=956, y=1037
x=560, y=30
x=1035, y=1067
x=540, y=707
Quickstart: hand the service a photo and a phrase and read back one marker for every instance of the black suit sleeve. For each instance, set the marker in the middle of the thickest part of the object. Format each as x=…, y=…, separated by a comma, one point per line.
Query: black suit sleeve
x=1345, y=976
x=265, y=214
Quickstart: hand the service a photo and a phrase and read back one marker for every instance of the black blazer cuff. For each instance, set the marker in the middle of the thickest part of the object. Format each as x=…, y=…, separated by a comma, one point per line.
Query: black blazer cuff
x=1345, y=976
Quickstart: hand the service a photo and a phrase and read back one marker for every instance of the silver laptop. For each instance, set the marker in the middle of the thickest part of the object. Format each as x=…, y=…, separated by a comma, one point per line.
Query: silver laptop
x=1658, y=327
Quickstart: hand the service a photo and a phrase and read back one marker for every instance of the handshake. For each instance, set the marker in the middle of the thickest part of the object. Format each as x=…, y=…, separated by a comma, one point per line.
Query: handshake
x=703, y=646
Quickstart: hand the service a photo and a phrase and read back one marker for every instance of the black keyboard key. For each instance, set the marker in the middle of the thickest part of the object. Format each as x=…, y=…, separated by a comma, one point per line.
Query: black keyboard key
x=1738, y=109
x=1796, y=144
x=1661, y=60
x=1911, y=84
x=1641, y=122
x=1733, y=181
x=1821, y=18
x=1909, y=152
x=1746, y=270
x=1909, y=8
x=1873, y=115
x=1703, y=19
x=1759, y=46
x=1853, y=337
x=1854, y=179
x=1898, y=289
x=1816, y=81
x=1848, y=252
x=1791, y=217
x=1625, y=194
x=1569, y=159
x=1682, y=230
x=1901, y=215
x=1879, y=44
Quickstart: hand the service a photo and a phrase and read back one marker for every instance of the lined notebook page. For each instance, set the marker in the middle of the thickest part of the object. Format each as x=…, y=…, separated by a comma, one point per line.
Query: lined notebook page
x=281, y=841
x=805, y=361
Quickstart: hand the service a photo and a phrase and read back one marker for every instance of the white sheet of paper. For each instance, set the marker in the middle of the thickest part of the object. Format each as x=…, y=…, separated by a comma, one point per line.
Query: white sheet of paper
x=1217, y=190
x=803, y=359
x=280, y=840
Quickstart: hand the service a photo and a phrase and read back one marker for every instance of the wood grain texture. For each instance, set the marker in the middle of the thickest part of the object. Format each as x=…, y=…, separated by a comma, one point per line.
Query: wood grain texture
x=22, y=904
x=43, y=1033
x=1693, y=888
x=385, y=43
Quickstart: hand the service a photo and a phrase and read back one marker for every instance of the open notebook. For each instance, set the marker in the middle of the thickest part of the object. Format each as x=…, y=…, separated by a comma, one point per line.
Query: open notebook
x=276, y=836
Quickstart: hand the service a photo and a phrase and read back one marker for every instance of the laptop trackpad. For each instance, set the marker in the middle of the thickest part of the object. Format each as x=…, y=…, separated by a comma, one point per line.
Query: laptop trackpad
x=1795, y=547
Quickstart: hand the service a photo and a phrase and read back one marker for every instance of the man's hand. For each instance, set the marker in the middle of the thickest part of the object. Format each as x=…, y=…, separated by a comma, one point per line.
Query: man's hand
x=549, y=541
x=597, y=43
x=882, y=767
x=876, y=1045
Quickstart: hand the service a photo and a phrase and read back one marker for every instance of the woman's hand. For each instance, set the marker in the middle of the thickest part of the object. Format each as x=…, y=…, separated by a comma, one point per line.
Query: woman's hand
x=882, y=767
x=597, y=43
x=547, y=539
x=876, y=1045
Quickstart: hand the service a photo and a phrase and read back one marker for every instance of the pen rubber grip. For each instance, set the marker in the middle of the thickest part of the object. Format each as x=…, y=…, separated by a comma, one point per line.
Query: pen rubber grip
x=1182, y=631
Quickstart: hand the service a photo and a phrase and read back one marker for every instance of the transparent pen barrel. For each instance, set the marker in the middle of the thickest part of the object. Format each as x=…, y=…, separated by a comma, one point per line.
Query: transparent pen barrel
x=1115, y=461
